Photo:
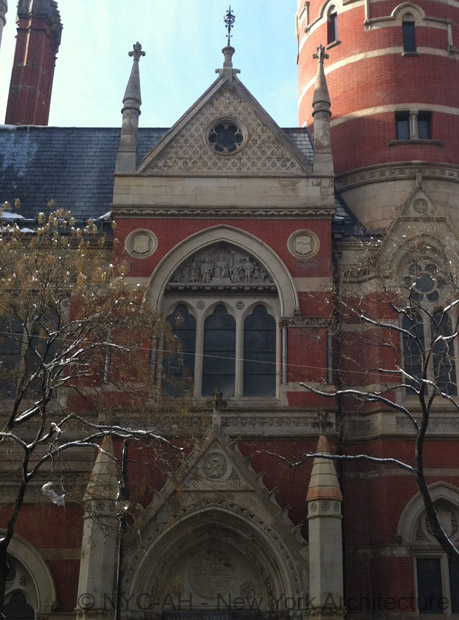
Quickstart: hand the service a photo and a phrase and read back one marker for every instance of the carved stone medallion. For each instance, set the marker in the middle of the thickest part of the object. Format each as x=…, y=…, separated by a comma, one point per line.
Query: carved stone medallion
x=141, y=243
x=303, y=244
x=214, y=466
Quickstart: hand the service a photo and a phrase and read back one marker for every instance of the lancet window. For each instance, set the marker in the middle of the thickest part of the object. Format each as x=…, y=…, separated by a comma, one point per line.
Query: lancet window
x=223, y=306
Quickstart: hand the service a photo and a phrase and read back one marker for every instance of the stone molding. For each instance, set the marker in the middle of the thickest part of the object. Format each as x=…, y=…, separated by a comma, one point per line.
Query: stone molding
x=378, y=174
x=288, y=296
x=190, y=212
x=304, y=321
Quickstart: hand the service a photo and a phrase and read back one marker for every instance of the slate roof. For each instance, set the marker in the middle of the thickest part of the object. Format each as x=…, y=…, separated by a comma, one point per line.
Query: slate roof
x=74, y=166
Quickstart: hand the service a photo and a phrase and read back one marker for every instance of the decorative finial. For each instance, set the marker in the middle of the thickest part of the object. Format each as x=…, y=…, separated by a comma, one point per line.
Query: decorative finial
x=321, y=55
x=322, y=421
x=137, y=52
x=229, y=19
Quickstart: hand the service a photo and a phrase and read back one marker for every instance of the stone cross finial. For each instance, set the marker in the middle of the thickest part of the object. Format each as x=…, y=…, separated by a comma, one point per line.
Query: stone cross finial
x=322, y=423
x=321, y=55
x=137, y=52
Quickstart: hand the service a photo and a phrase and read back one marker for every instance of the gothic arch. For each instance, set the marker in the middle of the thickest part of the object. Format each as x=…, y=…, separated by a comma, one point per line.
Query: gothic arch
x=230, y=528
x=288, y=295
x=409, y=518
x=43, y=583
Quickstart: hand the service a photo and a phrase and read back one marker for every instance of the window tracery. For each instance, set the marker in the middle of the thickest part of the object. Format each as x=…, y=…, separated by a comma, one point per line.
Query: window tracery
x=222, y=303
x=429, y=349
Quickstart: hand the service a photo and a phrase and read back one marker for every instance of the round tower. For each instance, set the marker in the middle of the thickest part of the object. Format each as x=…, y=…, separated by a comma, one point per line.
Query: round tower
x=392, y=75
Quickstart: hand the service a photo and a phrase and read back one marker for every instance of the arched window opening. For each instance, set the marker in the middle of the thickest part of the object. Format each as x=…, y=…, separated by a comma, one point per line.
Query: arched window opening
x=409, y=33
x=428, y=342
x=179, y=366
x=211, y=292
x=20, y=593
x=219, y=353
x=437, y=576
x=413, y=348
x=259, y=353
x=18, y=608
x=444, y=366
x=332, y=26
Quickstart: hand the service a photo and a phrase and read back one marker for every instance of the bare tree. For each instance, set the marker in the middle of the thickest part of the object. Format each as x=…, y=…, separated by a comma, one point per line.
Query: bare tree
x=401, y=352
x=75, y=342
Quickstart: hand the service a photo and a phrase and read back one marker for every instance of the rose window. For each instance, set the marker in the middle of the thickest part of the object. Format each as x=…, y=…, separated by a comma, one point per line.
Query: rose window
x=225, y=137
x=424, y=282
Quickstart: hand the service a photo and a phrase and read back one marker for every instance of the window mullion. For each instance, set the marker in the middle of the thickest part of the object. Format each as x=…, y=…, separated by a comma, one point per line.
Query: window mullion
x=239, y=361
x=199, y=356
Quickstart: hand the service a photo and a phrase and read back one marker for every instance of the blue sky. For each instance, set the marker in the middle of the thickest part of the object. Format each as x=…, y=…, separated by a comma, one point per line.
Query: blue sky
x=183, y=42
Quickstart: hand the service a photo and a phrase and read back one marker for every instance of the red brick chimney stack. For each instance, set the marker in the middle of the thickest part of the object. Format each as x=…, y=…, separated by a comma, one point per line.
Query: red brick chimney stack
x=39, y=30
x=3, y=11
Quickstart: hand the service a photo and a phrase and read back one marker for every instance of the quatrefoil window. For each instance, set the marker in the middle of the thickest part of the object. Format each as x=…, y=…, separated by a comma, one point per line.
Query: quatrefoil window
x=225, y=137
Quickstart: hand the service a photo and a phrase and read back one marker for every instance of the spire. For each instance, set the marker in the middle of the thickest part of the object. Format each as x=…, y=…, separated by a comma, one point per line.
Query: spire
x=323, y=160
x=321, y=101
x=99, y=546
x=229, y=50
x=104, y=479
x=324, y=481
x=325, y=536
x=126, y=160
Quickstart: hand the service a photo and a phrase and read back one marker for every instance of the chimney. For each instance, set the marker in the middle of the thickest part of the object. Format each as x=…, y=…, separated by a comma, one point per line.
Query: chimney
x=39, y=30
x=3, y=12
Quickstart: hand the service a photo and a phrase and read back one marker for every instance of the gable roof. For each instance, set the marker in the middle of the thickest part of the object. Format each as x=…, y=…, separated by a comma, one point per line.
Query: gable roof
x=268, y=148
x=74, y=166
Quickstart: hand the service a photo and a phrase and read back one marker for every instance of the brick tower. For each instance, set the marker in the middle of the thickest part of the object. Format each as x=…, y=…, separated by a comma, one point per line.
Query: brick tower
x=391, y=77
x=39, y=35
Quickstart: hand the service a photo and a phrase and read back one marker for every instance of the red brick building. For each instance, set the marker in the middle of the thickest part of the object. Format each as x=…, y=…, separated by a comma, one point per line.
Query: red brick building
x=252, y=239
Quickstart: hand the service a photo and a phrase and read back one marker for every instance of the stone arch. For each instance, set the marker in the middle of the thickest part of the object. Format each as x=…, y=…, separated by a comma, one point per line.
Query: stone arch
x=42, y=581
x=406, y=529
x=409, y=8
x=226, y=529
x=287, y=292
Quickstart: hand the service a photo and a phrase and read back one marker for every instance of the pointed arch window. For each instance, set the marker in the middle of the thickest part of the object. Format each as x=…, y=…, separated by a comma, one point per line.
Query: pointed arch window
x=429, y=350
x=259, y=353
x=219, y=351
x=223, y=306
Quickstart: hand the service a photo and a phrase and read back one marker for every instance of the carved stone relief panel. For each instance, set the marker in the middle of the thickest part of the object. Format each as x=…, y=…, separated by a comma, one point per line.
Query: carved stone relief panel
x=221, y=266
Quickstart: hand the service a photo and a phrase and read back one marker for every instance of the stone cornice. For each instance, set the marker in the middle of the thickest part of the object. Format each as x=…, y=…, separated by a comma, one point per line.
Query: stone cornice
x=147, y=211
x=394, y=172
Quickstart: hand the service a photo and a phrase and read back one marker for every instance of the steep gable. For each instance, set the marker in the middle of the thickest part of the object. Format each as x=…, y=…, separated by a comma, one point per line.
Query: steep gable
x=266, y=149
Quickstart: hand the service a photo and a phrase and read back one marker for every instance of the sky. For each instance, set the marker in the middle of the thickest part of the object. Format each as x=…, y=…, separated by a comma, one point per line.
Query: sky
x=183, y=42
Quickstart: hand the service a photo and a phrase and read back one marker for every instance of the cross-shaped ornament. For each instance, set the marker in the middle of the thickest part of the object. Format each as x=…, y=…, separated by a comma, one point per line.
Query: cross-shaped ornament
x=137, y=52
x=321, y=55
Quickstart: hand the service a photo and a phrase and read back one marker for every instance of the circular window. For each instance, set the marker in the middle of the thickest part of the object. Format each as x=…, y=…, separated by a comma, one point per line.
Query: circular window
x=225, y=137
